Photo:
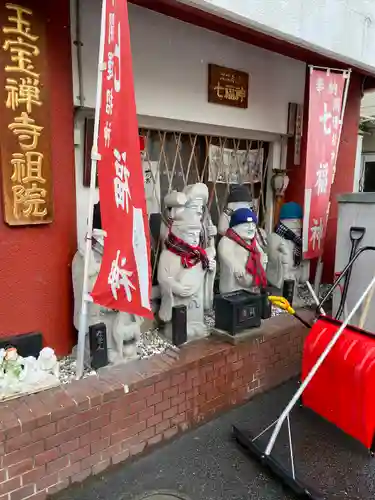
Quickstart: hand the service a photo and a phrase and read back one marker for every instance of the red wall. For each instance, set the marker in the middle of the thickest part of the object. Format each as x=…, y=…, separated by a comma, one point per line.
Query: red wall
x=35, y=276
x=344, y=170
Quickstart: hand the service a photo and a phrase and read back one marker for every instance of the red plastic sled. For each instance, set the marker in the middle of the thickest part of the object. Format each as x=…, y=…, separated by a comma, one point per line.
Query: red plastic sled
x=343, y=389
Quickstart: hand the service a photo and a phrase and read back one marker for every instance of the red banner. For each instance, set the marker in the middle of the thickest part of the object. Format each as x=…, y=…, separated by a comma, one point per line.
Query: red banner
x=324, y=125
x=124, y=281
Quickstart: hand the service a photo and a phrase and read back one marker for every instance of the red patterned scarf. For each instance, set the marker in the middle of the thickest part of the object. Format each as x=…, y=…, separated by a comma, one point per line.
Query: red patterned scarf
x=253, y=265
x=190, y=256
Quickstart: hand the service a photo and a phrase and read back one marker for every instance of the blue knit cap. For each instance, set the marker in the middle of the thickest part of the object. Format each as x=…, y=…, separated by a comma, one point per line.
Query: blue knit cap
x=243, y=216
x=291, y=210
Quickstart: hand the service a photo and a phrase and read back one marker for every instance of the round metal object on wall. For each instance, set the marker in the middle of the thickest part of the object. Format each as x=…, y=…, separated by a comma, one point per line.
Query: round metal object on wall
x=163, y=495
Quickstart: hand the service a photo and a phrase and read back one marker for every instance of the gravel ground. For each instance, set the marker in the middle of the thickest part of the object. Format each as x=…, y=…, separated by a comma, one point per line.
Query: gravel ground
x=152, y=342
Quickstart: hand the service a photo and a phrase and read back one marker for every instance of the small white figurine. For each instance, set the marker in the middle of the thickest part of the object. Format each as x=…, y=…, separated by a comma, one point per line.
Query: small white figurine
x=47, y=362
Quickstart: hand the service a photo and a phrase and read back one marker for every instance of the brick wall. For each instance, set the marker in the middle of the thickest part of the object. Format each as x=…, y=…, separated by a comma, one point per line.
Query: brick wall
x=61, y=436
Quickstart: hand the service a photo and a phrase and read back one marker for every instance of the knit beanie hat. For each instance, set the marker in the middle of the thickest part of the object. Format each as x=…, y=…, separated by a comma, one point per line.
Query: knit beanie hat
x=242, y=216
x=291, y=210
x=239, y=192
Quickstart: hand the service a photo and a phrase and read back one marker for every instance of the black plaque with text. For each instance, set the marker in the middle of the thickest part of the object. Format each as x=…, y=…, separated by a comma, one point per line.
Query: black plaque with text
x=98, y=346
x=179, y=325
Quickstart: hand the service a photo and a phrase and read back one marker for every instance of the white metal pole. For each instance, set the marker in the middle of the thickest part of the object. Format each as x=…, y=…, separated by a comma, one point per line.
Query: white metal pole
x=331, y=70
x=95, y=156
x=314, y=369
x=314, y=296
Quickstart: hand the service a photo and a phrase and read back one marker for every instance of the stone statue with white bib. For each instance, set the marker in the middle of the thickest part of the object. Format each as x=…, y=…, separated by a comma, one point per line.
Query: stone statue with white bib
x=242, y=260
x=285, y=259
x=186, y=274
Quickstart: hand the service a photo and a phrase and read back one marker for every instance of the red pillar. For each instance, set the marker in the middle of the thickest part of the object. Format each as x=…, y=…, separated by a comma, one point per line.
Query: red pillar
x=344, y=169
x=35, y=262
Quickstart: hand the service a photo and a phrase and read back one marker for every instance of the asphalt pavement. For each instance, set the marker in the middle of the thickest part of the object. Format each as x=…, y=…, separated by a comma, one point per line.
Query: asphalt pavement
x=206, y=464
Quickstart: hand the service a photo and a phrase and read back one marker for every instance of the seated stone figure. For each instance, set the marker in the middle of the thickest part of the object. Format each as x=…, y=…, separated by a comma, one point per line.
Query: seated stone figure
x=186, y=275
x=242, y=260
x=285, y=250
x=123, y=329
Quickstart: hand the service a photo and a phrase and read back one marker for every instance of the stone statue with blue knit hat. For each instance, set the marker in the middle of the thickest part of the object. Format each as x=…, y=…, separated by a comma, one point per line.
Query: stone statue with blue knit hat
x=239, y=196
x=242, y=260
x=285, y=258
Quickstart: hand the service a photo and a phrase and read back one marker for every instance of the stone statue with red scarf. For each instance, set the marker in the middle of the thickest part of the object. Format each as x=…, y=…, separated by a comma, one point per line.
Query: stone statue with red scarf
x=242, y=260
x=186, y=274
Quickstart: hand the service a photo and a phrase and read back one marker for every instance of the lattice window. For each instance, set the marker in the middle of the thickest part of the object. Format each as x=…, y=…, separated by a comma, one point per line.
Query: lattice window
x=172, y=160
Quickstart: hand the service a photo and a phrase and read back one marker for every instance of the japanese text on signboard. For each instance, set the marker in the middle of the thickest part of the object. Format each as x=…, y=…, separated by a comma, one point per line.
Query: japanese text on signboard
x=24, y=138
x=228, y=86
x=325, y=106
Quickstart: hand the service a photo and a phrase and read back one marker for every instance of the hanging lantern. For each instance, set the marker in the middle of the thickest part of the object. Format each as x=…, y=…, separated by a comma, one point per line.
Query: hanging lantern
x=279, y=182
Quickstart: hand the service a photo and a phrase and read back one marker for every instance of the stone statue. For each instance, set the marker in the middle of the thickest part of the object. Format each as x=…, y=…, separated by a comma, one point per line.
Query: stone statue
x=285, y=250
x=123, y=329
x=20, y=375
x=186, y=275
x=174, y=203
x=47, y=362
x=242, y=260
x=197, y=199
x=239, y=197
x=193, y=200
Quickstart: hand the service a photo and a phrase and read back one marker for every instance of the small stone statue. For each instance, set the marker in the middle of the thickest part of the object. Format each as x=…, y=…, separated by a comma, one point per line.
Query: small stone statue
x=126, y=335
x=123, y=329
x=242, y=260
x=47, y=362
x=186, y=275
x=285, y=259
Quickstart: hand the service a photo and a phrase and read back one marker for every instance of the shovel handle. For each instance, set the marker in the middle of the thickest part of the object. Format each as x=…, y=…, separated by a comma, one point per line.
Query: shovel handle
x=357, y=233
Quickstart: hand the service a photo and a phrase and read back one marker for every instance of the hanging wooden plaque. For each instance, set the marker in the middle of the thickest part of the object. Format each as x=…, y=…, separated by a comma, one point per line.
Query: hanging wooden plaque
x=25, y=140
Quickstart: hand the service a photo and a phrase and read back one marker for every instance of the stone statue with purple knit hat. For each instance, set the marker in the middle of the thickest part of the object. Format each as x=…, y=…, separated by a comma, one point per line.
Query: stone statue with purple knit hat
x=242, y=260
x=285, y=258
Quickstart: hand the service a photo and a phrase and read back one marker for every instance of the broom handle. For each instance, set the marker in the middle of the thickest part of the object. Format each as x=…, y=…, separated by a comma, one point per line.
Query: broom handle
x=316, y=300
x=314, y=369
x=366, y=308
